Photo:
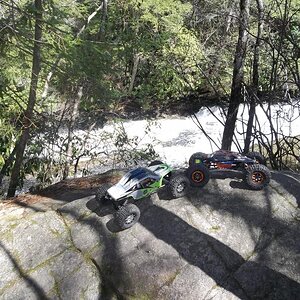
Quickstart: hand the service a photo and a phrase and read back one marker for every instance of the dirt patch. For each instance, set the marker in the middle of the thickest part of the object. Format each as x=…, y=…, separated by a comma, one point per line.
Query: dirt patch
x=73, y=186
x=23, y=200
x=84, y=183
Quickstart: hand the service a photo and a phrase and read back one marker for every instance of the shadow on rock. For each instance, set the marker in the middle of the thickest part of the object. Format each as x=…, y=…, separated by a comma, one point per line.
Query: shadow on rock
x=165, y=194
x=100, y=209
x=223, y=174
x=225, y=266
x=102, y=257
x=289, y=183
x=106, y=209
x=33, y=284
x=93, y=204
x=256, y=214
x=112, y=226
x=231, y=174
x=239, y=185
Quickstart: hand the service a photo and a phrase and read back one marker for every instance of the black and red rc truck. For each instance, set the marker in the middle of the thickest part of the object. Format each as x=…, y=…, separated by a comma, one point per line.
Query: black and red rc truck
x=251, y=166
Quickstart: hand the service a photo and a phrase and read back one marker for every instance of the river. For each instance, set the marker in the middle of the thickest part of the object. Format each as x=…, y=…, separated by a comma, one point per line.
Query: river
x=176, y=138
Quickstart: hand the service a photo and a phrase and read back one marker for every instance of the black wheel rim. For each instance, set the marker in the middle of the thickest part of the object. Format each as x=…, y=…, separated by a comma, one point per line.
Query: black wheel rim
x=181, y=186
x=130, y=218
x=258, y=177
x=197, y=176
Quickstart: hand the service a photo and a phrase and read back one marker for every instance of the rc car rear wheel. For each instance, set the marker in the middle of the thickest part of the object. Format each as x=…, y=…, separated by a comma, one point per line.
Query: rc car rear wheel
x=258, y=157
x=179, y=185
x=257, y=176
x=198, y=175
x=127, y=216
x=101, y=193
x=155, y=163
x=197, y=158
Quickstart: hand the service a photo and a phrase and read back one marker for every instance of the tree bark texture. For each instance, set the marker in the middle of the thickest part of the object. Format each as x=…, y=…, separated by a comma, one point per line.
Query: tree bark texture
x=238, y=76
x=7, y=164
x=134, y=72
x=71, y=125
x=102, y=28
x=255, y=77
x=27, y=119
x=278, y=51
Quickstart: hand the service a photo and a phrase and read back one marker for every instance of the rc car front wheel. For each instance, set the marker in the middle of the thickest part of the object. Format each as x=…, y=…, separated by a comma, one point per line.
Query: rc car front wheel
x=127, y=216
x=101, y=193
x=179, y=185
x=198, y=175
x=197, y=158
x=257, y=176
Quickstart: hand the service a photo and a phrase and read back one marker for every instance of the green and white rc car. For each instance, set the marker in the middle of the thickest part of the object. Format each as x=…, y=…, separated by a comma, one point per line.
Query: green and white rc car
x=137, y=184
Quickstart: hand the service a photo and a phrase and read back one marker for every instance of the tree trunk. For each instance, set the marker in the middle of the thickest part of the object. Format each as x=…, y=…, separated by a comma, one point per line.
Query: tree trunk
x=279, y=50
x=134, y=72
x=27, y=122
x=69, y=148
x=7, y=164
x=255, y=77
x=102, y=29
x=238, y=76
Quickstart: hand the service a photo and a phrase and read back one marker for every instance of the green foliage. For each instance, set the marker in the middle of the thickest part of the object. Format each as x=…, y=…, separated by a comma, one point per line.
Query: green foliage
x=155, y=32
x=177, y=48
x=169, y=51
x=280, y=48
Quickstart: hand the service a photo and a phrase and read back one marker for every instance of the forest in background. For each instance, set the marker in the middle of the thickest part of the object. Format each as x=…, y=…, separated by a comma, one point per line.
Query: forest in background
x=75, y=64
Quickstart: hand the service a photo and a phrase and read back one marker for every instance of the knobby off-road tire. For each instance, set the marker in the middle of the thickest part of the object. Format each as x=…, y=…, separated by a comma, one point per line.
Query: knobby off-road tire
x=197, y=156
x=258, y=157
x=101, y=193
x=198, y=175
x=257, y=176
x=155, y=163
x=179, y=185
x=127, y=216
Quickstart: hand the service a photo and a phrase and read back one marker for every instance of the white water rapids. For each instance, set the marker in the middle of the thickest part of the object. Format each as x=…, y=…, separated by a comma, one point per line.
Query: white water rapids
x=175, y=139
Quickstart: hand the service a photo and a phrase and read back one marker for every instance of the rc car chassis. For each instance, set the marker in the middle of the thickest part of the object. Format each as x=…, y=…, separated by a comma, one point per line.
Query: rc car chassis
x=252, y=167
x=137, y=184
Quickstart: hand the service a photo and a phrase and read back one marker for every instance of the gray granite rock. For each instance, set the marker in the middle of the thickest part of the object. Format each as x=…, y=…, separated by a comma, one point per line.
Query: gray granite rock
x=220, y=242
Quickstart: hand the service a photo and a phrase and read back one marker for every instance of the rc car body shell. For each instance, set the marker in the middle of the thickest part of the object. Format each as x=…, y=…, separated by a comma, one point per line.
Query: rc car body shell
x=223, y=159
x=139, y=182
